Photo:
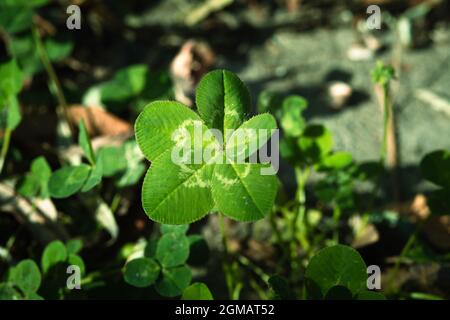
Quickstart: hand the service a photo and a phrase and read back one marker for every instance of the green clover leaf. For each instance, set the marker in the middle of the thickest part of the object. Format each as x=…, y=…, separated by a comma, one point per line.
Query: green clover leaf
x=183, y=192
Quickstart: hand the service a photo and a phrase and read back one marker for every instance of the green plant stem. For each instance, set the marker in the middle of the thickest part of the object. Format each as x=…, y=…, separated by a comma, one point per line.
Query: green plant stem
x=336, y=217
x=411, y=240
x=259, y=290
x=62, y=109
x=383, y=151
x=115, y=202
x=251, y=266
x=226, y=258
x=257, y=271
x=5, y=147
x=279, y=239
x=300, y=214
x=273, y=223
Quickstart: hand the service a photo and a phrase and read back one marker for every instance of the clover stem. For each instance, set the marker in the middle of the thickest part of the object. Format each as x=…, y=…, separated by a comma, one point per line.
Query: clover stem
x=226, y=258
x=5, y=147
x=411, y=240
x=386, y=110
x=388, y=152
x=336, y=217
x=279, y=238
x=62, y=110
x=300, y=215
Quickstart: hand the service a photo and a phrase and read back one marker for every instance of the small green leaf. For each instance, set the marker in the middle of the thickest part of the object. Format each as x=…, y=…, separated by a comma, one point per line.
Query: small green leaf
x=15, y=18
x=85, y=142
x=76, y=260
x=135, y=168
x=173, y=281
x=338, y=265
x=222, y=100
x=141, y=272
x=42, y=171
x=292, y=121
x=111, y=160
x=315, y=142
x=74, y=246
x=25, y=50
x=435, y=167
x=172, y=249
x=55, y=252
x=94, y=178
x=197, y=291
x=336, y=161
x=26, y=276
x=58, y=50
x=269, y=102
x=126, y=83
x=68, y=180
x=29, y=186
x=14, y=115
x=382, y=73
x=8, y=293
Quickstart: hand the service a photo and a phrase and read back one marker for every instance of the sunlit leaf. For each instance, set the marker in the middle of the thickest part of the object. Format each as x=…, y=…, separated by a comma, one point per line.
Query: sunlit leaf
x=55, y=252
x=26, y=276
x=68, y=180
x=197, y=291
x=85, y=143
x=222, y=100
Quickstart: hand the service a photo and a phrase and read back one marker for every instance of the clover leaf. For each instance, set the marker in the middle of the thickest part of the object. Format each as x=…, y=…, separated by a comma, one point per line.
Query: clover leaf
x=181, y=193
x=173, y=281
x=141, y=272
x=197, y=291
x=163, y=263
x=26, y=276
x=435, y=167
x=337, y=265
x=172, y=249
x=54, y=253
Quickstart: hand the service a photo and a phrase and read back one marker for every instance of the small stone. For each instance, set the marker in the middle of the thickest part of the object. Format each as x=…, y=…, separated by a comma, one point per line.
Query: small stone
x=358, y=52
x=339, y=93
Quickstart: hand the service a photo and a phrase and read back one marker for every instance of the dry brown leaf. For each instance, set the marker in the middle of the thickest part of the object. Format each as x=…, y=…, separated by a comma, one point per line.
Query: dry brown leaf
x=98, y=121
x=187, y=68
x=436, y=228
